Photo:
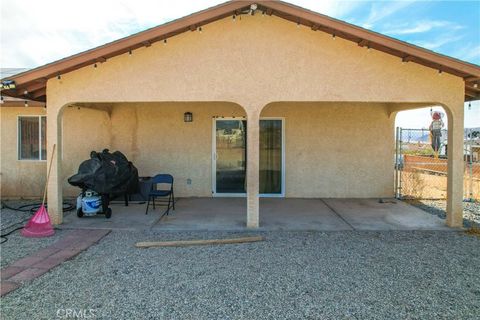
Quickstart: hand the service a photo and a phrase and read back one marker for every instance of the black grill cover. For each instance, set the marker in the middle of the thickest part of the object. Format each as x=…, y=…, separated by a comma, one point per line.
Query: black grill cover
x=106, y=172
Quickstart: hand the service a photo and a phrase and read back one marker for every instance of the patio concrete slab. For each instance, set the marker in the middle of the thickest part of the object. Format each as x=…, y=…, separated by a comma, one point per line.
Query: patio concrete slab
x=206, y=214
x=131, y=217
x=212, y=214
x=299, y=214
x=370, y=214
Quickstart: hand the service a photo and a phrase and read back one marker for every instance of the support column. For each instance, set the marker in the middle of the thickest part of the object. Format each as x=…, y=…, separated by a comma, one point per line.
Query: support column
x=455, y=167
x=253, y=159
x=54, y=189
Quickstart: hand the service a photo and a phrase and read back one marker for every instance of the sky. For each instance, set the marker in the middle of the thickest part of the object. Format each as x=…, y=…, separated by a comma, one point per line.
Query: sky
x=34, y=32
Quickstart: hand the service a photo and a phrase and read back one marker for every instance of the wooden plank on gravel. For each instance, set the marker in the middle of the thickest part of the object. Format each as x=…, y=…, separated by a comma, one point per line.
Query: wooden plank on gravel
x=184, y=243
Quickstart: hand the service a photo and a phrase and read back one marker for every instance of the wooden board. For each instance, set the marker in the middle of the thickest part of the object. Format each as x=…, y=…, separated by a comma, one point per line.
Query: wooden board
x=184, y=243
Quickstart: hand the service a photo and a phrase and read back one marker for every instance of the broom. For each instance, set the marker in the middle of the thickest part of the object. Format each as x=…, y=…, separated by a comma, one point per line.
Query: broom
x=39, y=225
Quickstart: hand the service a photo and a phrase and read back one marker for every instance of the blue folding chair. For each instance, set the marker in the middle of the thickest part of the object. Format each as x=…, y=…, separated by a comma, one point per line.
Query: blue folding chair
x=154, y=193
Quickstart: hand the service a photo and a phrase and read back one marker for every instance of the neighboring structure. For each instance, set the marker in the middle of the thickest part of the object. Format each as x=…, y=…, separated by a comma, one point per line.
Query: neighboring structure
x=283, y=102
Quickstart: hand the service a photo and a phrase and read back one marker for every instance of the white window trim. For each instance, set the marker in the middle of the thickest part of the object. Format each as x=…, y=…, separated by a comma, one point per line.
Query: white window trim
x=39, y=137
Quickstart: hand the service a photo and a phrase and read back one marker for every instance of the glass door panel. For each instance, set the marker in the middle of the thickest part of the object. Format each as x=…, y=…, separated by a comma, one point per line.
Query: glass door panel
x=231, y=141
x=271, y=156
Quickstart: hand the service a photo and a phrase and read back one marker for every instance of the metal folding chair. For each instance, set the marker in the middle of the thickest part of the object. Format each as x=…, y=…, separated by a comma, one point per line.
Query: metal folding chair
x=163, y=193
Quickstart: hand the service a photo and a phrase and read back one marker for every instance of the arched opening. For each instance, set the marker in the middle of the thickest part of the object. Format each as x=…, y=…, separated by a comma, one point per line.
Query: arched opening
x=421, y=155
x=178, y=138
x=424, y=161
x=337, y=158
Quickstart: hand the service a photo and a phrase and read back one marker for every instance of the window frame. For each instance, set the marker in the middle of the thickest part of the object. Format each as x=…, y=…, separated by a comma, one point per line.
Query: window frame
x=40, y=154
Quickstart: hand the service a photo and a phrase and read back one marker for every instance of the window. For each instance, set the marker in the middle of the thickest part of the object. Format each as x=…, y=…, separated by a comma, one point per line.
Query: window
x=32, y=138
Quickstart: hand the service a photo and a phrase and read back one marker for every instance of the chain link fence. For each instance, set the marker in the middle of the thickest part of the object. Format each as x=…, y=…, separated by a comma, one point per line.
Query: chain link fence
x=421, y=173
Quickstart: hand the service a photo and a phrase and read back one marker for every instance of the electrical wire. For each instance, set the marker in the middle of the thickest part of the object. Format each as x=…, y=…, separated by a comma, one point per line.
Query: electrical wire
x=31, y=209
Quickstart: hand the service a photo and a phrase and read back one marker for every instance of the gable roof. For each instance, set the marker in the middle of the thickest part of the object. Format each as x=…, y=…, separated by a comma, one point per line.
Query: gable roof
x=34, y=81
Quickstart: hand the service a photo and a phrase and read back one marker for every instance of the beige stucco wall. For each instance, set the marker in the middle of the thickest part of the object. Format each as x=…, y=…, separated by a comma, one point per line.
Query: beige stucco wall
x=88, y=129
x=18, y=177
x=328, y=152
x=84, y=130
x=157, y=140
x=255, y=61
x=336, y=149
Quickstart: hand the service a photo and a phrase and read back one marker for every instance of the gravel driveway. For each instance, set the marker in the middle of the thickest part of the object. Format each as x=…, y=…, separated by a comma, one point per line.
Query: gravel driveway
x=292, y=275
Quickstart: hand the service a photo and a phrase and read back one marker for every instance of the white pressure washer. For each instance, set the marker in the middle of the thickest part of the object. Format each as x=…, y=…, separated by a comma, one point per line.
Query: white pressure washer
x=90, y=203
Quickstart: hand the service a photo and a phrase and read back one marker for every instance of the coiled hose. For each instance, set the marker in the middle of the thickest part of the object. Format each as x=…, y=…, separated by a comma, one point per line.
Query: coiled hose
x=30, y=208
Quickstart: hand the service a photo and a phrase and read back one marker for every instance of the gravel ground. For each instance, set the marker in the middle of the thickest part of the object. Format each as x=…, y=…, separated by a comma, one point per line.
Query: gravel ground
x=292, y=275
x=471, y=210
x=17, y=246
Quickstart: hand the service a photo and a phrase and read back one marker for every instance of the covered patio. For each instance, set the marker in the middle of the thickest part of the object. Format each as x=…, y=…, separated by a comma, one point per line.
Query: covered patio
x=292, y=214
x=291, y=110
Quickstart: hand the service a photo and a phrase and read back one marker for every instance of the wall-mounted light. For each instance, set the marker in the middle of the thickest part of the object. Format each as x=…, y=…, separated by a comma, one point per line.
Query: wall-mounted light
x=334, y=36
x=165, y=42
x=200, y=29
x=187, y=117
x=59, y=77
x=440, y=72
x=26, y=103
x=1, y=100
x=130, y=53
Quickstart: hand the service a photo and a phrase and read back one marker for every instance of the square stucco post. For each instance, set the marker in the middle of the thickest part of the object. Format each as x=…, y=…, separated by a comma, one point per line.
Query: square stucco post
x=253, y=138
x=54, y=189
x=455, y=168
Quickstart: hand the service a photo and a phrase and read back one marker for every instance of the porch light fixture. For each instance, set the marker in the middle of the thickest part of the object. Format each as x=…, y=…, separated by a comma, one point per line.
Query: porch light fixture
x=333, y=36
x=129, y=52
x=440, y=72
x=1, y=100
x=165, y=42
x=59, y=77
x=95, y=66
x=187, y=117
x=469, y=105
x=200, y=29
x=234, y=18
x=26, y=103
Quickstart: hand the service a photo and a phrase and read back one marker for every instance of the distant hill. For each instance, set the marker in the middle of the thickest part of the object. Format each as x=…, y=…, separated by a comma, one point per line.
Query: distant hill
x=423, y=135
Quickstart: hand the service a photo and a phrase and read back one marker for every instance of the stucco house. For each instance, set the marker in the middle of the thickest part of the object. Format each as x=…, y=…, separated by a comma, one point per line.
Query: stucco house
x=283, y=101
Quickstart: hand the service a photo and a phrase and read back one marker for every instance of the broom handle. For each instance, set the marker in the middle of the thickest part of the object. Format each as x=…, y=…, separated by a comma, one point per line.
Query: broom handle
x=48, y=175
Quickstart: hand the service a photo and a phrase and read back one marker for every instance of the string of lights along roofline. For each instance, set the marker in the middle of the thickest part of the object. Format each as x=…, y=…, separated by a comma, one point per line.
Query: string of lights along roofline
x=252, y=10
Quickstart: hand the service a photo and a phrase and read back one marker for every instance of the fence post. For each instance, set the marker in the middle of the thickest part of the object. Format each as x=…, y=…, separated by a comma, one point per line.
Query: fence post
x=396, y=163
x=400, y=154
x=470, y=166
